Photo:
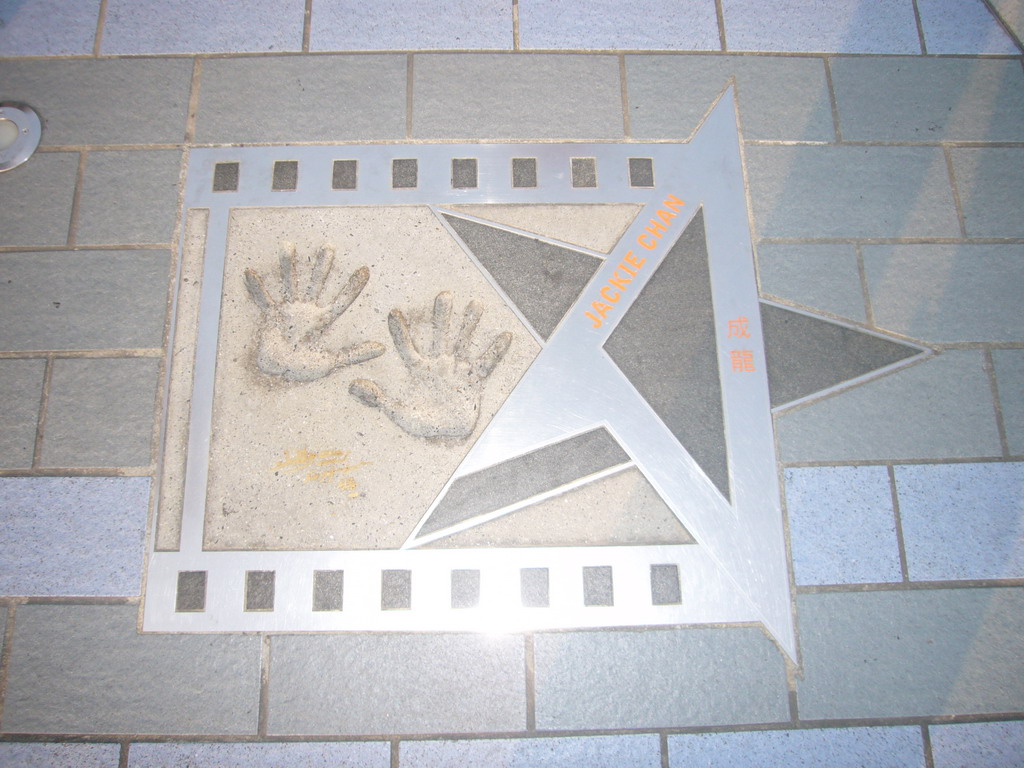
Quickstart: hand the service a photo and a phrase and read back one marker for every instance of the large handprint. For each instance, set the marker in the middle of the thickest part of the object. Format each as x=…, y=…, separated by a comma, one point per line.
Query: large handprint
x=442, y=400
x=290, y=335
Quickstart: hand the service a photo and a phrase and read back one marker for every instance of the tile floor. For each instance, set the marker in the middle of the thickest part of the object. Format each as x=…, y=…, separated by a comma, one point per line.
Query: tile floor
x=884, y=153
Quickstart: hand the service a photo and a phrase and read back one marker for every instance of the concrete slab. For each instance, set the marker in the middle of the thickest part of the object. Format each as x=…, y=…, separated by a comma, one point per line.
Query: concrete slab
x=349, y=684
x=977, y=745
x=780, y=97
x=45, y=190
x=67, y=755
x=990, y=180
x=842, y=527
x=367, y=754
x=85, y=669
x=657, y=678
x=911, y=653
x=63, y=300
x=1009, y=366
x=929, y=99
x=21, y=391
x=821, y=276
x=639, y=751
x=962, y=521
x=950, y=26
x=26, y=30
x=68, y=536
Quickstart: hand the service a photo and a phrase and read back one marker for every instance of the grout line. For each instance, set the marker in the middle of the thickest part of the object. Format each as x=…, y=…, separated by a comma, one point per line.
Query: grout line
x=44, y=405
x=899, y=462
x=35, y=354
x=193, y=101
x=920, y=28
x=264, y=704
x=898, y=522
x=869, y=310
x=6, y=648
x=78, y=472
x=101, y=20
x=990, y=369
x=911, y=586
x=515, y=25
x=926, y=742
x=122, y=761
x=409, y=72
x=627, y=128
x=791, y=690
x=948, y=154
x=531, y=682
x=76, y=199
x=833, y=103
x=395, y=753
x=663, y=746
x=720, y=17
x=307, y=24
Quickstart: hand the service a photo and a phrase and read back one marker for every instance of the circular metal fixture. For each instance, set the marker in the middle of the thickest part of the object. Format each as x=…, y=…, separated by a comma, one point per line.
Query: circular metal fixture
x=20, y=131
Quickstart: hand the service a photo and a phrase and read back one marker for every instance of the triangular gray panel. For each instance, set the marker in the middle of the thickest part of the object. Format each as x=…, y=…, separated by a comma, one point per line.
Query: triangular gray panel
x=807, y=354
x=666, y=346
x=541, y=279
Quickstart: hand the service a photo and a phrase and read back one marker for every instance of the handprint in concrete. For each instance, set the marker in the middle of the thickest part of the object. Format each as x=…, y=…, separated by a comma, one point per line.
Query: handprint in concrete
x=294, y=320
x=441, y=399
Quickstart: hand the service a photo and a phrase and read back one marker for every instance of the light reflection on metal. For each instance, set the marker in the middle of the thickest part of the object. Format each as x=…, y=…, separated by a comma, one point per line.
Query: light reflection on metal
x=20, y=133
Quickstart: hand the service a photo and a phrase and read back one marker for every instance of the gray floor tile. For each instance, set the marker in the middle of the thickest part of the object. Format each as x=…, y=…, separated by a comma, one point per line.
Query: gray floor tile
x=841, y=525
x=834, y=747
x=977, y=745
x=538, y=96
x=196, y=26
x=991, y=185
x=962, y=521
x=66, y=755
x=103, y=101
x=21, y=390
x=636, y=751
x=780, y=97
x=673, y=677
x=940, y=408
x=44, y=189
x=1009, y=365
x=947, y=293
x=100, y=413
x=368, y=754
x=606, y=24
x=302, y=98
x=817, y=275
x=392, y=684
x=910, y=653
x=845, y=26
x=25, y=28
x=954, y=26
x=72, y=535
x=129, y=196
x=341, y=25
x=1012, y=13
x=83, y=300
x=86, y=669
x=844, y=191
x=929, y=99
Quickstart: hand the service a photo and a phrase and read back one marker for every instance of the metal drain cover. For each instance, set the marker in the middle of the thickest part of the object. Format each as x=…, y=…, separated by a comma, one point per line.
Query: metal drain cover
x=20, y=132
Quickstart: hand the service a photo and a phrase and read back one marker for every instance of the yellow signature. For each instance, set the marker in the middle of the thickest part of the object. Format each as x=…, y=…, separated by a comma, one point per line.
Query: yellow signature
x=322, y=467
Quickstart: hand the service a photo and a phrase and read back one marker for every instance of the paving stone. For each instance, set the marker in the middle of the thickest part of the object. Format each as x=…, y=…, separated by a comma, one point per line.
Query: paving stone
x=947, y=293
x=1012, y=13
x=367, y=754
x=962, y=521
x=103, y=101
x=21, y=389
x=780, y=97
x=527, y=97
x=844, y=191
x=302, y=98
x=940, y=408
x=340, y=25
x=911, y=653
x=841, y=525
x=990, y=181
x=195, y=26
x=845, y=26
x=41, y=194
x=657, y=678
x=129, y=197
x=929, y=99
x=886, y=747
x=636, y=751
x=86, y=669
x=70, y=755
x=100, y=413
x=817, y=275
x=954, y=26
x=607, y=24
x=72, y=535
x=1009, y=365
x=83, y=299
x=354, y=684
x=25, y=28
x=977, y=745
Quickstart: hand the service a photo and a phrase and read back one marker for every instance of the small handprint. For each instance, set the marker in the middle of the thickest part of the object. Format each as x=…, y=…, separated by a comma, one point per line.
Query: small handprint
x=442, y=400
x=290, y=336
